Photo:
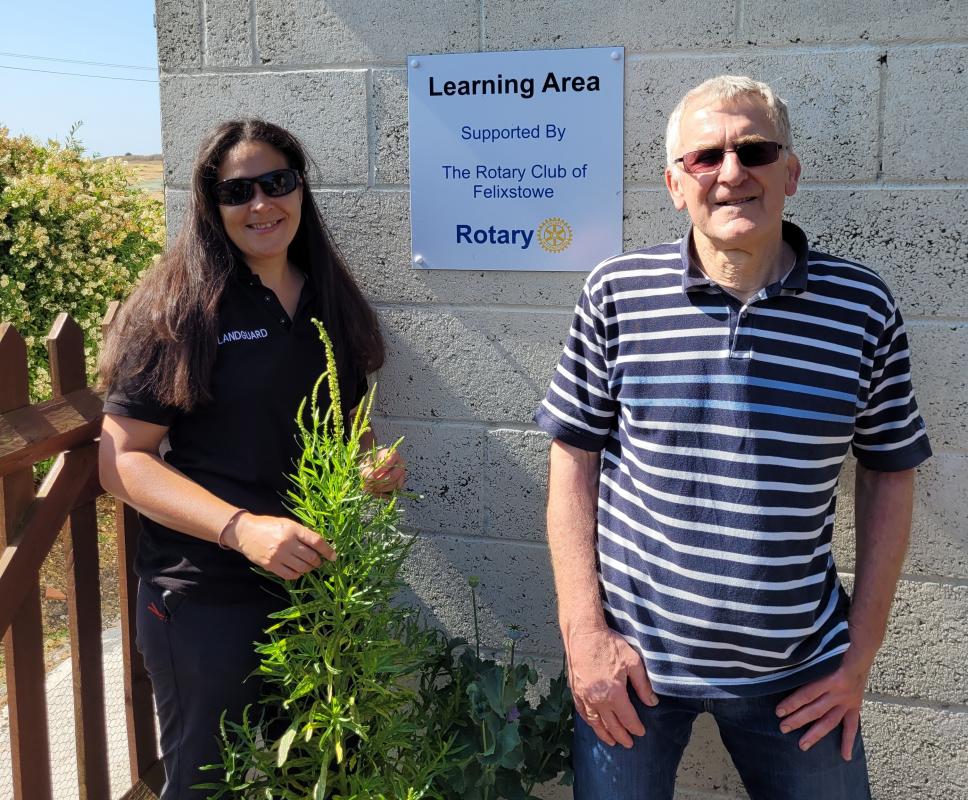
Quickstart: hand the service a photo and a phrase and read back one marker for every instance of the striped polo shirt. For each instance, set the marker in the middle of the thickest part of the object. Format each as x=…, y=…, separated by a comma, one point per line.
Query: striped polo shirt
x=723, y=426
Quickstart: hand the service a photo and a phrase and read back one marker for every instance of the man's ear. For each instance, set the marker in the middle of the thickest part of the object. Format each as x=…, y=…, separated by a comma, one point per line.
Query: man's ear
x=793, y=174
x=672, y=182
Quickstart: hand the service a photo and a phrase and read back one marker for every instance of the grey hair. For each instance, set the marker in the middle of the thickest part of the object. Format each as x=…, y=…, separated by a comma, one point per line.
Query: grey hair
x=728, y=87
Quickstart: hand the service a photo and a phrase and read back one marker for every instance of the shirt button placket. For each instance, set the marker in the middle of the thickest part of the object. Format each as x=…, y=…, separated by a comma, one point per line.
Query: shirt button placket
x=745, y=320
x=741, y=317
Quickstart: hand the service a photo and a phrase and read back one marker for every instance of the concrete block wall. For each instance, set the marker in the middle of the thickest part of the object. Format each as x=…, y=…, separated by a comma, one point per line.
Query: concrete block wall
x=878, y=91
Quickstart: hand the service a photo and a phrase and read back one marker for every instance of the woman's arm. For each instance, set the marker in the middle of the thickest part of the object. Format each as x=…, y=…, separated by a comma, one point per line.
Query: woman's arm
x=132, y=471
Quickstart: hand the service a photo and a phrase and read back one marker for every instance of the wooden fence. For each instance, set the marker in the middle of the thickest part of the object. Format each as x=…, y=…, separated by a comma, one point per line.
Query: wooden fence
x=65, y=428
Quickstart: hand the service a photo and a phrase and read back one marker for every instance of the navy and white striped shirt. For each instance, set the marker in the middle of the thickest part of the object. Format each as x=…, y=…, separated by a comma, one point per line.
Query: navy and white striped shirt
x=723, y=427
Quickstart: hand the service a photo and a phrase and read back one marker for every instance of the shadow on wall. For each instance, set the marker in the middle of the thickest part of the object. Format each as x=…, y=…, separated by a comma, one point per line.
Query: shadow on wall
x=939, y=535
x=482, y=487
x=516, y=589
x=473, y=481
x=468, y=366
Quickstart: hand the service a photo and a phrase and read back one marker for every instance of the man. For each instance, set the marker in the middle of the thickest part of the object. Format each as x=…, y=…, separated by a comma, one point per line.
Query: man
x=701, y=412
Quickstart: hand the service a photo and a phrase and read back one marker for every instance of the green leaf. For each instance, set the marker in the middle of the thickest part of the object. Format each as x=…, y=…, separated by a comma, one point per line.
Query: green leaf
x=491, y=683
x=285, y=742
x=506, y=750
x=319, y=790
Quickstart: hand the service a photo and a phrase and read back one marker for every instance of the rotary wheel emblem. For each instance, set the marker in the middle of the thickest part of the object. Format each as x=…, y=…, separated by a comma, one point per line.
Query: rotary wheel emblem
x=554, y=235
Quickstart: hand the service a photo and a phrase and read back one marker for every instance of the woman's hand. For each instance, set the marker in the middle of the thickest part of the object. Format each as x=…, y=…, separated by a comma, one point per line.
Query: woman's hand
x=281, y=546
x=384, y=472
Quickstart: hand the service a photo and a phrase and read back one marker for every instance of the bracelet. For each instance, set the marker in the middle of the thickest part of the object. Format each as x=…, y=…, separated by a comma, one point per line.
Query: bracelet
x=225, y=527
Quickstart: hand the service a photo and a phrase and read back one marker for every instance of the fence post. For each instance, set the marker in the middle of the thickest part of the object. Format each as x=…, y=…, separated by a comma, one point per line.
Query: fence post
x=24, y=639
x=65, y=345
x=138, y=704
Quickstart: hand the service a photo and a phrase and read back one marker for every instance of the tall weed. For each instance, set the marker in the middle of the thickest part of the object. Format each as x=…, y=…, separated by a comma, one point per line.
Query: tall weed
x=360, y=700
x=340, y=715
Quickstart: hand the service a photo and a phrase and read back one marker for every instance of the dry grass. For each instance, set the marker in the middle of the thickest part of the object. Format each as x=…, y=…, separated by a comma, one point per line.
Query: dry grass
x=149, y=175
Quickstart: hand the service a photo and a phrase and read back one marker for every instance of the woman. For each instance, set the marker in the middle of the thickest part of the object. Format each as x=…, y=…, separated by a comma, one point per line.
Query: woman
x=207, y=364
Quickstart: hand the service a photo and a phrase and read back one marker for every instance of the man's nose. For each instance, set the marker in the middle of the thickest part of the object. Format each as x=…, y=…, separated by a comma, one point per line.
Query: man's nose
x=732, y=170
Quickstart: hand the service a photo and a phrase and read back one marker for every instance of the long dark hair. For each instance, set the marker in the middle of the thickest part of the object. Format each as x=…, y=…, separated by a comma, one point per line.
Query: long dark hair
x=165, y=335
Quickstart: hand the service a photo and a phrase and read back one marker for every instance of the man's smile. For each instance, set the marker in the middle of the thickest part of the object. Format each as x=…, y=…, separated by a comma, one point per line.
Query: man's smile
x=737, y=201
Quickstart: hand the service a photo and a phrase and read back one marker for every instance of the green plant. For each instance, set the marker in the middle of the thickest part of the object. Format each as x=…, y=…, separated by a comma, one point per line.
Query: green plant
x=360, y=701
x=74, y=235
x=340, y=715
x=504, y=746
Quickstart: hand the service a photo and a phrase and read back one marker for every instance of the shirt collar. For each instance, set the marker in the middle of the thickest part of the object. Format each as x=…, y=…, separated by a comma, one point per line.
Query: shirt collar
x=307, y=297
x=795, y=281
x=244, y=275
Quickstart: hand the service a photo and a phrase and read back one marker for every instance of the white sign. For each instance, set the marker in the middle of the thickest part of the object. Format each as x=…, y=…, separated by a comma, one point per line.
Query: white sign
x=516, y=159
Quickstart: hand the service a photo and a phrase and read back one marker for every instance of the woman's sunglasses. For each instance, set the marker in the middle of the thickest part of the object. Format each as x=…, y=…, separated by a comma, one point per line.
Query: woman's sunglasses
x=751, y=154
x=236, y=191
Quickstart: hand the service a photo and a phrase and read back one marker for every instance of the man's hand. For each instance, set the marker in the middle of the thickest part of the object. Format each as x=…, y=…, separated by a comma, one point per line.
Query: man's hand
x=281, y=546
x=384, y=472
x=827, y=703
x=600, y=666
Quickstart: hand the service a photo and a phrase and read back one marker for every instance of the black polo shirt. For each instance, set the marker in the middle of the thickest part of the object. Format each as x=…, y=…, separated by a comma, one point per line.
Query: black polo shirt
x=243, y=444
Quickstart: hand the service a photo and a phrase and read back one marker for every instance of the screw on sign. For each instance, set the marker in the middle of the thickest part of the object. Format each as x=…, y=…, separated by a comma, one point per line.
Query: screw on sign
x=554, y=235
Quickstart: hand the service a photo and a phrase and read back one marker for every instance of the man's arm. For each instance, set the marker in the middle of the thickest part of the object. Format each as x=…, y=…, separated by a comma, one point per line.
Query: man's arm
x=600, y=662
x=883, y=507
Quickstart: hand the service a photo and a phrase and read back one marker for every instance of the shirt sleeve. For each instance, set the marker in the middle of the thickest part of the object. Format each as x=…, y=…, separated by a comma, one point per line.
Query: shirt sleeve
x=579, y=408
x=131, y=398
x=889, y=433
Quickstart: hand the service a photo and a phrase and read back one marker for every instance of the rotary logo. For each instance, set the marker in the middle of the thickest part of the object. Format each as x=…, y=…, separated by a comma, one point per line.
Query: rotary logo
x=554, y=235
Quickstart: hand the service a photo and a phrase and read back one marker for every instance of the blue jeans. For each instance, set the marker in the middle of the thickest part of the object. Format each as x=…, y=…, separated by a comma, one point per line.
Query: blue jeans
x=770, y=763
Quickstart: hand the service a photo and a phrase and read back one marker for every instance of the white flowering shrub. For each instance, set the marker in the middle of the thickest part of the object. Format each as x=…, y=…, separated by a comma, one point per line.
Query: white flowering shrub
x=74, y=235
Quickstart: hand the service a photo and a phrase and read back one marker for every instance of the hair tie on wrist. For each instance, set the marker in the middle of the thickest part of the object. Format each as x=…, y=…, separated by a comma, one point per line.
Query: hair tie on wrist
x=225, y=527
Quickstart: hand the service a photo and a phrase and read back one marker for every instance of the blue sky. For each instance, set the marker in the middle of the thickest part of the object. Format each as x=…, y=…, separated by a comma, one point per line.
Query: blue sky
x=119, y=116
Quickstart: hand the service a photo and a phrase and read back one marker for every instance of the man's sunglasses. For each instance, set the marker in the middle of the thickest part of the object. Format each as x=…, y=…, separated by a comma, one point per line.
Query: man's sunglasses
x=751, y=154
x=236, y=191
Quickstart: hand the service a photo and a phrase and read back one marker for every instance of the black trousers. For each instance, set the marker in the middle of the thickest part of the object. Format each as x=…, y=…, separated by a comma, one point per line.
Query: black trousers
x=199, y=655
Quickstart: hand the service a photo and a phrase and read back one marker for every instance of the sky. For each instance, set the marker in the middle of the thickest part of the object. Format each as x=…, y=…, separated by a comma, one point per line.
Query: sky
x=118, y=116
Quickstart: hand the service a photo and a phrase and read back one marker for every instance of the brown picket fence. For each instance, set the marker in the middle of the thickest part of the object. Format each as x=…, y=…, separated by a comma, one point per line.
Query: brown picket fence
x=65, y=428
